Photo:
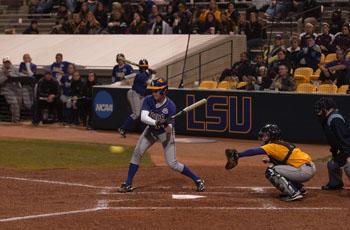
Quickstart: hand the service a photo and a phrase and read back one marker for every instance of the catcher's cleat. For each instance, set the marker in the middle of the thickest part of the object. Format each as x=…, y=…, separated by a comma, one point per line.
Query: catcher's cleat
x=124, y=188
x=296, y=196
x=200, y=185
x=122, y=132
x=232, y=158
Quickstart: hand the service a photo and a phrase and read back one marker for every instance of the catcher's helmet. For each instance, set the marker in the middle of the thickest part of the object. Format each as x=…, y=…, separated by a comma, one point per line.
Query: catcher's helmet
x=272, y=130
x=143, y=64
x=120, y=56
x=158, y=84
x=324, y=103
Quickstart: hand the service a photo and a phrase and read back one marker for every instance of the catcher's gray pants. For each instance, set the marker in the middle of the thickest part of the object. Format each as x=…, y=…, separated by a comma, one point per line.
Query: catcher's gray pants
x=335, y=172
x=298, y=175
x=135, y=101
x=12, y=92
x=147, y=139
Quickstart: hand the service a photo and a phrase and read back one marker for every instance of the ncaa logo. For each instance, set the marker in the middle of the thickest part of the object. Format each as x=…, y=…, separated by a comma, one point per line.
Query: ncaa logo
x=103, y=104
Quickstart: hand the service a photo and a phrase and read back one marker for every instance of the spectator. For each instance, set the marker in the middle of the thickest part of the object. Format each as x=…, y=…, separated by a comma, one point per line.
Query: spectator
x=61, y=27
x=101, y=15
x=180, y=26
x=48, y=94
x=10, y=88
x=284, y=81
x=141, y=11
x=211, y=25
x=128, y=12
x=92, y=5
x=342, y=39
x=85, y=104
x=62, y=12
x=277, y=9
x=293, y=51
x=325, y=39
x=282, y=59
x=59, y=67
x=84, y=10
x=116, y=23
x=32, y=5
x=257, y=63
x=160, y=26
x=169, y=15
x=213, y=8
x=92, y=25
x=337, y=22
x=152, y=16
x=66, y=94
x=77, y=26
x=311, y=12
x=27, y=69
x=273, y=50
x=308, y=31
x=33, y=28
x=138, y=25
x=71, y=5
x=232, y=13
x=254, y=32
x=337, y=72
x=239, y=69
x=77, y=93
x=263, y=81
x=310, y=55
x=227, y=25
x=122, y=69
x=44, y=6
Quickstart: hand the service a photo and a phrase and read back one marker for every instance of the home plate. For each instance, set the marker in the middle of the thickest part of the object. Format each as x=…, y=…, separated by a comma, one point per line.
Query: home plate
x=186, y=197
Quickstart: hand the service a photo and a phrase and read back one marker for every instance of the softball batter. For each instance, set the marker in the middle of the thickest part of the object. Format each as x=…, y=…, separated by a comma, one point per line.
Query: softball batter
x=290, y=167
x=156, y=111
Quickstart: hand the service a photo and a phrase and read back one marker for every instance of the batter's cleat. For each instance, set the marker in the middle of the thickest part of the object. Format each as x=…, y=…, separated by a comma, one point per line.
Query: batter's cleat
x=296, y=196
x=124, y=188
x=332, y=187
x=122, y=132
x=200, y=185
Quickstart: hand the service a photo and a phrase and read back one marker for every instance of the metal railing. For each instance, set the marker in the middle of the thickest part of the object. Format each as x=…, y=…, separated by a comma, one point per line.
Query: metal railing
x=200, y=61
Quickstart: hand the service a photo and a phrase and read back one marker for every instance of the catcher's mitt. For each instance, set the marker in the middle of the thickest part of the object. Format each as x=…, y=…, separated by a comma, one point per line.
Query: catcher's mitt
x=232, y=158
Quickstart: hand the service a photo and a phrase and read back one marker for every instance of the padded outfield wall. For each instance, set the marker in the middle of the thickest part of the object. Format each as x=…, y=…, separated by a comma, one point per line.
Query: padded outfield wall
x=236, y=114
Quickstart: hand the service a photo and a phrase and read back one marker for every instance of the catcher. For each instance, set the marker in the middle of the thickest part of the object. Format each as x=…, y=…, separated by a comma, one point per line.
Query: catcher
x=289, y=166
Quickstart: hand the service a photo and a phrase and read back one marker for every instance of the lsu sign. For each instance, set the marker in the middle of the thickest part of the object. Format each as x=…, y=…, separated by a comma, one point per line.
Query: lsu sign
x=231, y=114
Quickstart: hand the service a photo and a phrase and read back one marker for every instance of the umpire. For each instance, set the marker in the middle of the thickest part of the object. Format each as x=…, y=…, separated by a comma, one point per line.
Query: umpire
x=337, y=132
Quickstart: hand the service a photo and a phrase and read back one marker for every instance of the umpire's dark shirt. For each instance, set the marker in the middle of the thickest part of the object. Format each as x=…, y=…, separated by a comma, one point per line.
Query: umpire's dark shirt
x=337, y=131
x=46, y=88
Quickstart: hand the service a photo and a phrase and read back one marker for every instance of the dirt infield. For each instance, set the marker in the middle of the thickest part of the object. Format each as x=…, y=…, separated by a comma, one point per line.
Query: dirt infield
x=87, y=199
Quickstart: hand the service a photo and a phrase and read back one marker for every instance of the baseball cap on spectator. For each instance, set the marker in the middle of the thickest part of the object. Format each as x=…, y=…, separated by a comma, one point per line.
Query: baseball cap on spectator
x=6, y=59
x=278, y=36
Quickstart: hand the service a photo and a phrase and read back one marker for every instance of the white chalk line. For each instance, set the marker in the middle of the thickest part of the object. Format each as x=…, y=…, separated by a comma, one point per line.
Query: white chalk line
x=272, y=208
x=56, y=182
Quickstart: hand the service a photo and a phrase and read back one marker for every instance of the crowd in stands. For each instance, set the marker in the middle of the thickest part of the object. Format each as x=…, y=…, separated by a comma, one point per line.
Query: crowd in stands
x=326, y=55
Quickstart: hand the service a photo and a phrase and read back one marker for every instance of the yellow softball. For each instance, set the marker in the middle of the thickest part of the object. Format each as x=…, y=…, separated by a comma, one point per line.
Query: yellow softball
x=116, y=149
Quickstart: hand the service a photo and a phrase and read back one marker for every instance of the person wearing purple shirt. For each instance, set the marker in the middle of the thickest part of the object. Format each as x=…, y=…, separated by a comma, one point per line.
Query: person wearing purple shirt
x=59, y=68
x=122, y=69
x=157, y=110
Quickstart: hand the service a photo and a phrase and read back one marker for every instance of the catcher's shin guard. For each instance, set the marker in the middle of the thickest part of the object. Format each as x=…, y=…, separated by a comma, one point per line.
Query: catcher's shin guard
x=280, y=182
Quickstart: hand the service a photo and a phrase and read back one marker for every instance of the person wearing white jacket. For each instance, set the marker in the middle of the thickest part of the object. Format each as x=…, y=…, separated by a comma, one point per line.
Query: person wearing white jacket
x=160, y=26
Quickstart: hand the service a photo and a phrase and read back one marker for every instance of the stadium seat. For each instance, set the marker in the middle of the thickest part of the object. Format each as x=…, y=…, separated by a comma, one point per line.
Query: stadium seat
x=208, y=85
x=241, y=85
x=227, y=85
x=306, y=88
x=343, y=89
x=330, y=57
x=315, y=75
x=328, y=88
x=302, y=75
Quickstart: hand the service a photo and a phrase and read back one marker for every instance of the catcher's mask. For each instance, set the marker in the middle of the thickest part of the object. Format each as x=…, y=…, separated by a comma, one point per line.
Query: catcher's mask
x=270, y=132
x=322, y=106
x=159, y=85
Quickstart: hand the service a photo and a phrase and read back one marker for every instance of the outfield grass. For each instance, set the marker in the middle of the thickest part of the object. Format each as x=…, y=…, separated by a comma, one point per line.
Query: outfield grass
x=23, y=154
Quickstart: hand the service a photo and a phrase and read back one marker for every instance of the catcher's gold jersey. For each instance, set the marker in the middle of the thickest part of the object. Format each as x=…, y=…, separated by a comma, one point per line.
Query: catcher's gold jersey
x=279, y=152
